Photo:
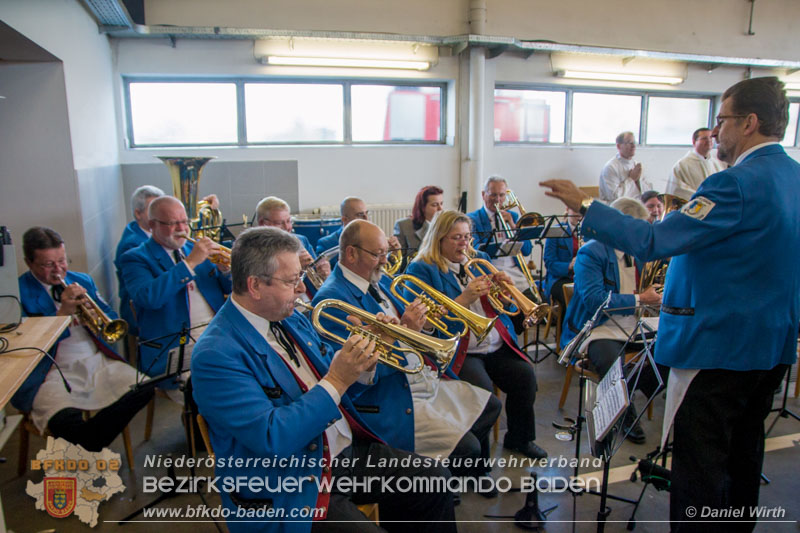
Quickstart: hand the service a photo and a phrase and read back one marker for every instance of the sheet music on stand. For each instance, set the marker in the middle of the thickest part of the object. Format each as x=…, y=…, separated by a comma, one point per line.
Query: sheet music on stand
x=610, y=402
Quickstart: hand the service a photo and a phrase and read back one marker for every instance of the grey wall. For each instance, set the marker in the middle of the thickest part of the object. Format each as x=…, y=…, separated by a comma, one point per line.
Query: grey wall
x=238, y=184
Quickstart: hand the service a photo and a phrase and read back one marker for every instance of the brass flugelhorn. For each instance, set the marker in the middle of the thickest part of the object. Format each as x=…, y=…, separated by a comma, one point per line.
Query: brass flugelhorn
x=219, y=257
x=314, y=277
x=92, y=316
x=479, y=325
x=394, y=260
x=502, y=293
x=419, y=344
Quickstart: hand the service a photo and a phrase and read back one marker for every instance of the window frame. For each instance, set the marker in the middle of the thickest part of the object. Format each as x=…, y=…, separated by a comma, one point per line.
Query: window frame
x=241, y=111
x=569, y=108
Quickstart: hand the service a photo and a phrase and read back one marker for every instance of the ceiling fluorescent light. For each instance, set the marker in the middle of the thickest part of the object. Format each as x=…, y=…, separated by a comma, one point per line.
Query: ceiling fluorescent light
x=618, y=76
x=346, y=62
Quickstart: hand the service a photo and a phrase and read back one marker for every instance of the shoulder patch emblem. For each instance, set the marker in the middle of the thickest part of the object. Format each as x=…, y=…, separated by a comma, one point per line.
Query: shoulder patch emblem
x=698, y=208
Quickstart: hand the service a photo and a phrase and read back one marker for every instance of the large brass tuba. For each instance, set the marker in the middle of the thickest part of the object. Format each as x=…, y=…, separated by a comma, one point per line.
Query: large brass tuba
x=502, y=293
x=185, y=173
x=92, y=316
x=419, y=344
x=479, y=325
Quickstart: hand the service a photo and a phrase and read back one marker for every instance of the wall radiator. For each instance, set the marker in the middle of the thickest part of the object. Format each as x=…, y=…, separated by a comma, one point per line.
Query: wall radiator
x=383, y=215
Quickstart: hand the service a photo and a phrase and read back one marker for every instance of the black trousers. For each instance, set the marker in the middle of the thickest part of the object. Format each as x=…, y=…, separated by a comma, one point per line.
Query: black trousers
x=430, y=511
x=98, y=431
x=603, y=352
x=513, y=376
x=718, y=447
x=557, y=294
x=475, y=442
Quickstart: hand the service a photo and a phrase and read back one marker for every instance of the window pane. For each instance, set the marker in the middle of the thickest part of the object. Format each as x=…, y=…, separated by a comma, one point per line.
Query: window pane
x=183, y=113
x=402, y=113
x=293, y=112
x=791, y=129
x=673, y=120
x=529, y=116
x=599, y=118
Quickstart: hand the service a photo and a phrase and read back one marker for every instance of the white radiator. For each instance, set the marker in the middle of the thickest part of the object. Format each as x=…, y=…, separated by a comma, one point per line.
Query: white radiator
x=383, y=215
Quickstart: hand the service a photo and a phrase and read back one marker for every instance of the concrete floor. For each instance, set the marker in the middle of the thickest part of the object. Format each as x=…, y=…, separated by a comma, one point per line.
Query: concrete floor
x=780, y=465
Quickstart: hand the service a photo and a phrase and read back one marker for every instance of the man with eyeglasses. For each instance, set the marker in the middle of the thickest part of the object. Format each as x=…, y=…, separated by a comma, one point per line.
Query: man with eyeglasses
x=172, y=283
x=730, y=308
x=411, y=412
x=277, y=400
x=272, y=211
x=98, y=379
x=622, y=175
x=698, y=164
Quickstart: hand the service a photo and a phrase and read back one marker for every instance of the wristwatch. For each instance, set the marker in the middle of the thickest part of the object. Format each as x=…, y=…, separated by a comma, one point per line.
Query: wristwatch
x=585, y=205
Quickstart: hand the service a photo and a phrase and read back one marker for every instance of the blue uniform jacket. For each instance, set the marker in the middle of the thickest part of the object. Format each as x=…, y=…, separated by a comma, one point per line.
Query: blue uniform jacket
x=132, y=237
x=386, y=405
x=157, y=287
x=732, y=292
x=447, y=283
x=327, y=242
x=36, y=302
x=256, y=411
x=557, y=257
x=310, y=290
x=596, y=273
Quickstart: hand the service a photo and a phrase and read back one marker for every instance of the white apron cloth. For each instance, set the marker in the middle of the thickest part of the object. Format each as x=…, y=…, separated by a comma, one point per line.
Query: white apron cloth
x=444, y=410
x=96, y=380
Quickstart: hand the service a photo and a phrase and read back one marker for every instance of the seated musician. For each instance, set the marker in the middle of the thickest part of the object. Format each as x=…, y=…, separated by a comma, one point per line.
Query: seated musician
x=272, y=211
x=654, y=204
x=135, y=233
x=440, y=263
x=411, y=230
x=270, y=389
x=416, y=412
x=172, y=283
x=598, y=270
x=98, y=378
x=559, y=259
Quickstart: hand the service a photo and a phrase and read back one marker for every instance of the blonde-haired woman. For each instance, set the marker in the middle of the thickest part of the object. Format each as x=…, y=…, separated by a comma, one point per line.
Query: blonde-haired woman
x=440, y=262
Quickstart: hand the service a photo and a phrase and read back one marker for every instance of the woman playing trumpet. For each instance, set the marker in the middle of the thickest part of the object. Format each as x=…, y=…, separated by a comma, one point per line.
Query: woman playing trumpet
x=440, y=263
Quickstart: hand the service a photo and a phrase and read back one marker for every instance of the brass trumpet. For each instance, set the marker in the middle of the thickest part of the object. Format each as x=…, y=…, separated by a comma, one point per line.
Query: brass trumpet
x=502, y=293
x=92, y=316
x=479, y=325
x=419, y=344
x=220, y=257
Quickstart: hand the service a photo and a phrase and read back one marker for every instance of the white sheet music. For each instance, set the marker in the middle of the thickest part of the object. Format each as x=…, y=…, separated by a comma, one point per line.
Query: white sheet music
x=613, y=375
x=611, y=400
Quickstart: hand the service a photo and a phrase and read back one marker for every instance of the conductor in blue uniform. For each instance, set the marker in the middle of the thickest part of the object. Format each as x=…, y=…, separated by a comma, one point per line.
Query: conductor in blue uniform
x=274, y=397
x=730, y=311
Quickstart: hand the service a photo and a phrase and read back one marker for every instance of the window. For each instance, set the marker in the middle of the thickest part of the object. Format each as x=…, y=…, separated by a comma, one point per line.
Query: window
x=790, y=138
x=170, y=114
x=202, y=112
x=672, y=120
x=600, y=117
x=529, y=116
x=291, y=112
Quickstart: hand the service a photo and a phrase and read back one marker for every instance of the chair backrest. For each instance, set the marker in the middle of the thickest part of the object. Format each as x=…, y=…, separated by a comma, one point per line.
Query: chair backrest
x=569, y=288
x=594, y=192
x=203, y=425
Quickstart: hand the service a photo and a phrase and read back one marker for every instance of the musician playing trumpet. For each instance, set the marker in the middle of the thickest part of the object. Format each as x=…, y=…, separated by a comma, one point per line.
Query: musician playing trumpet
x=440, y=263
x=98, y=378
x=172, y=283
x=417, y=412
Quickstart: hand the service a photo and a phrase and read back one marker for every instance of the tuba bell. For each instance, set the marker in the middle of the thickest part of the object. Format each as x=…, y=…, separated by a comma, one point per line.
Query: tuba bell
x=204, y=220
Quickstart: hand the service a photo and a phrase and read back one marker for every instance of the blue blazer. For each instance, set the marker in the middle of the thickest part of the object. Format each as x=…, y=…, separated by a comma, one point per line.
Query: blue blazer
x=157, y=287
x=557, y=257
x=256, y=411
x=732, y=292
x=596, y=273
x=132, y=237
x=386, y=405
x=37, y=302
x=447, y=283
x=329, y=241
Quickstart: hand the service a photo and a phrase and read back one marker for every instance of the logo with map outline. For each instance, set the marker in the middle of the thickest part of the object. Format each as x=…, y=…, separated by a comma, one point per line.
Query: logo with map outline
x=76, y=481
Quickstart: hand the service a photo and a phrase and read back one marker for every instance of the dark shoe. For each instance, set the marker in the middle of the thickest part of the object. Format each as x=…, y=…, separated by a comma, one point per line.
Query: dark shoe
x=636, y=434
x=530, y=449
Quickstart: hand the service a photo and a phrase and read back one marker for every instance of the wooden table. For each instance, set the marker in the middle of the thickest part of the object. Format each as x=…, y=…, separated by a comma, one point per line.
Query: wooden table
x=36, y=332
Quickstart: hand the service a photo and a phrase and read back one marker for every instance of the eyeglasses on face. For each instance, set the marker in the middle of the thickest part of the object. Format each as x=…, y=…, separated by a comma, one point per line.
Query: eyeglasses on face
x=376, y=255
x=50, y=265
x=183, y=222
x=723, y=118
x=459, y=237
x=291, y=283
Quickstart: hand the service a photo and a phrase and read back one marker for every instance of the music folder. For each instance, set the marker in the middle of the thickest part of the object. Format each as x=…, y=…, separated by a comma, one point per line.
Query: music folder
x=609, y=402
